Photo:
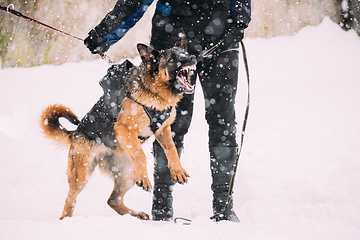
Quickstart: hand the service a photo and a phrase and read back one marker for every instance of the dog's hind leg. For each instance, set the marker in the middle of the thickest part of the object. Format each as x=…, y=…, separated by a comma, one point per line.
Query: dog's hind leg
x=122, y=169
x=116, y=200
x=78, y=169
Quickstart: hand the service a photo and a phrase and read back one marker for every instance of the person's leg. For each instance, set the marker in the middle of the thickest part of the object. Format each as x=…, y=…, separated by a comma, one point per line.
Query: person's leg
x=219, y=77
x=162, y=209
x=162, y=193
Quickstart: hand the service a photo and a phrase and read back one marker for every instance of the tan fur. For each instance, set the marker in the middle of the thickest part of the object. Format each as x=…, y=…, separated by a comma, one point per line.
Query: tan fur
x=127, y=163
x=154, y=91
x=51, y=130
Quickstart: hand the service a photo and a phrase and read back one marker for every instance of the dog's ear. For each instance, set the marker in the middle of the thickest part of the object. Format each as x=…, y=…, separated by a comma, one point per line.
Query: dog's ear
x=149, y=56
x=182, y=41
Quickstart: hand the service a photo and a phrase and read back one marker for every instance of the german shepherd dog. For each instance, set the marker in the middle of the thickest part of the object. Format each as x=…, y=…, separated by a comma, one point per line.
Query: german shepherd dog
x=158, y=83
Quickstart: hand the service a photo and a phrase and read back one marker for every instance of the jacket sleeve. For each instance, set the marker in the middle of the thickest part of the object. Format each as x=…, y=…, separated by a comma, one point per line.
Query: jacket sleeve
x=120, y=20
x=241, y=12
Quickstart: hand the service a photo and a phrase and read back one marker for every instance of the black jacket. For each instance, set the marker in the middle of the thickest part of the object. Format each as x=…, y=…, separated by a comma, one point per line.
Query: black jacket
x=204, y=22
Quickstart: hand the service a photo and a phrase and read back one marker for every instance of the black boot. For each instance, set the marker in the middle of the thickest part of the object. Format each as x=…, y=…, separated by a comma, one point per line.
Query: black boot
x=223, y=161
x=162, y=192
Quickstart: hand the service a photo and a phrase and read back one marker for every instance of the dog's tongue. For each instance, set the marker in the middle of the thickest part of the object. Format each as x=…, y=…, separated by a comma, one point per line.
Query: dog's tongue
x=186, y=85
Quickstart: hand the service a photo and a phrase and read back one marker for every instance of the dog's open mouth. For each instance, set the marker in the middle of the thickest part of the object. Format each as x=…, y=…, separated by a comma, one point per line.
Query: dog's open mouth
x=184, y=79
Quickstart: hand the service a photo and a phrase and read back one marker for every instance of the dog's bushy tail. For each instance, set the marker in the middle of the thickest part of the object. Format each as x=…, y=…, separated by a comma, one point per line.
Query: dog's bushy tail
x=52, y=128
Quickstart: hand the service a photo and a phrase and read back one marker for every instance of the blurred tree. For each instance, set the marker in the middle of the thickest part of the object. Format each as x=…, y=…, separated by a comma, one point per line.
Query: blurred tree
x=285, y=17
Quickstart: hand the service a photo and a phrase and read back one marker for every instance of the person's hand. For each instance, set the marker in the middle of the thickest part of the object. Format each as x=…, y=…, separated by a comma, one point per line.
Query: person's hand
x=95, y=44
x=234, y=33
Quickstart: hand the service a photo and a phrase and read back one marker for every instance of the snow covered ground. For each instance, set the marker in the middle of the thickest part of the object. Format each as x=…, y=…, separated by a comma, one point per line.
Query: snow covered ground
x=299, y=172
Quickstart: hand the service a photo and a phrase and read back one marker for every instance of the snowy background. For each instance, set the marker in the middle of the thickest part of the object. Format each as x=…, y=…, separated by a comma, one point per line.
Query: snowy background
x=299, y=172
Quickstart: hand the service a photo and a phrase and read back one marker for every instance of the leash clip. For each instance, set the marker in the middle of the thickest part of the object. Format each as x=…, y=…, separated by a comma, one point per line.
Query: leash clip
x=106, y=57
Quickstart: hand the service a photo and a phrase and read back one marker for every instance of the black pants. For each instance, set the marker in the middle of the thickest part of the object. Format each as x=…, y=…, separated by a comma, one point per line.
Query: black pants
x=218, y=77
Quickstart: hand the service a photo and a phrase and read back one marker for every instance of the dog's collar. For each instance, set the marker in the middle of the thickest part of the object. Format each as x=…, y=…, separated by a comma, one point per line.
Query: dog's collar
x=156, y=117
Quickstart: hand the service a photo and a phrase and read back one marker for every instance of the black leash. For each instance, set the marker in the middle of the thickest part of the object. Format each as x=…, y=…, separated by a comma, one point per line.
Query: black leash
x=243, y=127
x=211, y=50
x=16, y=13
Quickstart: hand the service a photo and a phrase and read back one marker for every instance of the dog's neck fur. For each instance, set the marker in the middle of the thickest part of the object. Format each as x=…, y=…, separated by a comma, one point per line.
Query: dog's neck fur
x=159, y=96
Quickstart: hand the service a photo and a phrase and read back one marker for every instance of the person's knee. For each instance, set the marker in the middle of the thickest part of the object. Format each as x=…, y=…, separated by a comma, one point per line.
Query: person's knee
x=222, y=125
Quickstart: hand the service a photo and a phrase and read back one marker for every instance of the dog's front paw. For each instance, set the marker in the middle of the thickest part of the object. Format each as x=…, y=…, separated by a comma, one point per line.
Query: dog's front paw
x=144, y=182
x=179, y=175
